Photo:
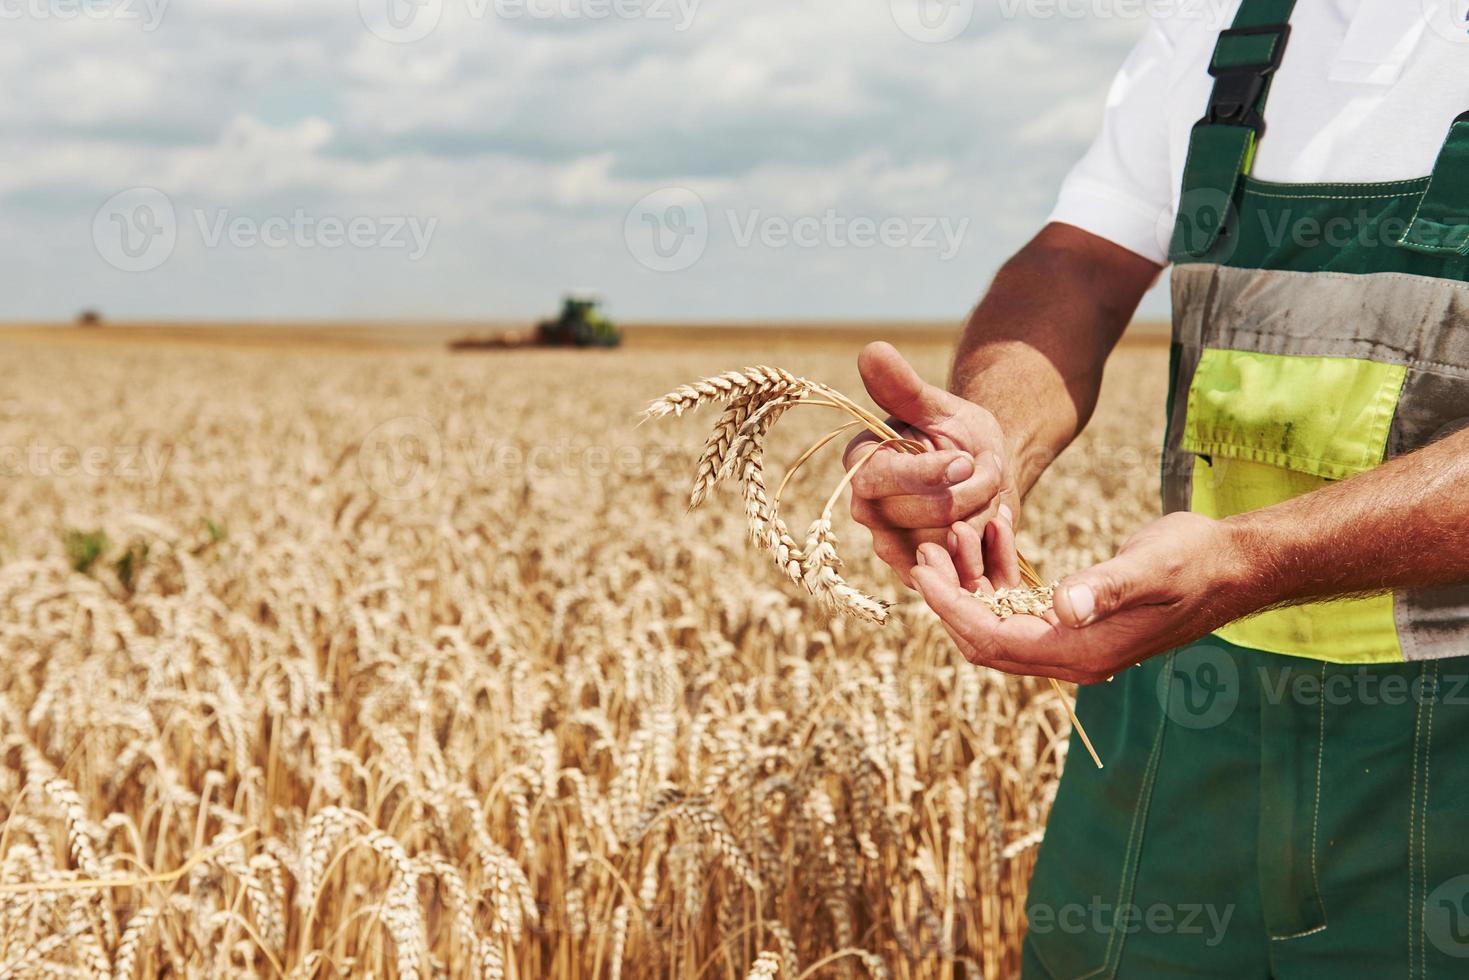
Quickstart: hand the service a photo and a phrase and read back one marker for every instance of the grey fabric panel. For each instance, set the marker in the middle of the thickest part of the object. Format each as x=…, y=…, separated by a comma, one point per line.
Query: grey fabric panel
x=1433, y=405
x=1192, y=299
x=1419, y=322
x=1178, y=479
x=1432, y=623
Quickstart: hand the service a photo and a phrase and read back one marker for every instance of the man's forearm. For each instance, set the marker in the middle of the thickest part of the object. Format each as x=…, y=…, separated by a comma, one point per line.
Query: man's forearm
x=1402, y=525
x=1034, y=348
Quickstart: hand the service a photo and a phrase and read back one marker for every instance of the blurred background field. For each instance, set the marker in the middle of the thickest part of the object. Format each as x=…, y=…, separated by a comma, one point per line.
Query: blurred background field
x=419, y=659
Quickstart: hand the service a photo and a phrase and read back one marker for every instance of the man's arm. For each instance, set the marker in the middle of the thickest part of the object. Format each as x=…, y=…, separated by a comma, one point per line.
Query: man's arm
x=1027, y=374
x=1034, y=348
x=1402, y=525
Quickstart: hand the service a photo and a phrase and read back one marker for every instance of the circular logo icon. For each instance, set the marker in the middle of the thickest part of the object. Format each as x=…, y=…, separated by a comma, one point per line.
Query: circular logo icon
x=135, y=230
x=1202, y=689
x=1446, y=917
x=932, y=21
x=400, y=21
x=668, y=230
x=401, y=459
x=1449, y=19
x=1203, y=214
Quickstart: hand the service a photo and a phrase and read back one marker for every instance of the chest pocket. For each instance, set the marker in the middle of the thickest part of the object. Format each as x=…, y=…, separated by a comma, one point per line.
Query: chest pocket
x=1269, y=427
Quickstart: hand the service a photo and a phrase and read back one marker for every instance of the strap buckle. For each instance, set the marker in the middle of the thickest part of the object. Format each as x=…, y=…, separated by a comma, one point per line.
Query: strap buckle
x=1244, y=59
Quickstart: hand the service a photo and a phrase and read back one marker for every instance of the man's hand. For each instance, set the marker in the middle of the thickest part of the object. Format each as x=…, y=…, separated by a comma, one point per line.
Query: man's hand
x=1176, y=580
x=906, y=500
x=1032, y=353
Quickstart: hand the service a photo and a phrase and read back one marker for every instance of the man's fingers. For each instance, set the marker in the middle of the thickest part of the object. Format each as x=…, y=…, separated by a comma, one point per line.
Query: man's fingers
x=1001, y=560
x=996, y=660
x=1116, y=584
x=938, y=582
x=892, y=473
x=941, y=508
x=1019, y=645
x=936, y=559
x=898, y=549
x=898, y=389
x=967, y=546
x=968, y=620
x=865, y=512
x=896, y=554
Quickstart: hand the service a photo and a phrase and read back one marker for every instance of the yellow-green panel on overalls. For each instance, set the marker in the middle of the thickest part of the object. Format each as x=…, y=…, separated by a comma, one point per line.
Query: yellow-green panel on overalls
x=1285, y=798
x=1264, y=428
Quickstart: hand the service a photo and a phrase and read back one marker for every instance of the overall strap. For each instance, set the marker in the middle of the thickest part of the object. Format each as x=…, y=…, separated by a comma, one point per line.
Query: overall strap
x=1221, y=146
x=1441, y=222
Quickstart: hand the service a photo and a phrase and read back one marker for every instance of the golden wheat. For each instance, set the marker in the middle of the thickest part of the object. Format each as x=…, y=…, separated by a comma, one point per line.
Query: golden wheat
x=759, y=396
x=1025, y=600
x=509, y=715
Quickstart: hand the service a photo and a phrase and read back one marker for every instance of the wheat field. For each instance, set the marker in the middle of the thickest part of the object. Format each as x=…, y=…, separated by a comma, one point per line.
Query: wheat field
x=328, y=662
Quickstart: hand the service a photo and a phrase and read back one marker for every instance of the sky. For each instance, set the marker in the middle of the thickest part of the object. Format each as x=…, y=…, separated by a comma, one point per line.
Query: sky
x=474, y=159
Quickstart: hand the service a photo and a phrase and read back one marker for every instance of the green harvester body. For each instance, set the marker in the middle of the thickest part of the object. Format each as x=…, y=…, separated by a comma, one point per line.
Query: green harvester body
x=581, y=324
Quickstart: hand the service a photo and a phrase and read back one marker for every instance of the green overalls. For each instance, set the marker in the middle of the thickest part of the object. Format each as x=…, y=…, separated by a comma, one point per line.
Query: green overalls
x=1289, y=797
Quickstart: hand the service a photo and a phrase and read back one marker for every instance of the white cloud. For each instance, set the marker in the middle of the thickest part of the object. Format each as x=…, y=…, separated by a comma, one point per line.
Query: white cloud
x=528, y=139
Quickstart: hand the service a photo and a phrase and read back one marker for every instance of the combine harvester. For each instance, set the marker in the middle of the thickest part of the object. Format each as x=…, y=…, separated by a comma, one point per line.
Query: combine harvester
x=580, y=325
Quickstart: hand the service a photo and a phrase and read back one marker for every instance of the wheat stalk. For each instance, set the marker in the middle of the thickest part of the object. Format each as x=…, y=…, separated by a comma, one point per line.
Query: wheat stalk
x=756, y=398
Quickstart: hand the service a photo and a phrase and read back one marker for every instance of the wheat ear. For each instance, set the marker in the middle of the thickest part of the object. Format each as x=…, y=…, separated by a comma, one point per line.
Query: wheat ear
x=755, y=398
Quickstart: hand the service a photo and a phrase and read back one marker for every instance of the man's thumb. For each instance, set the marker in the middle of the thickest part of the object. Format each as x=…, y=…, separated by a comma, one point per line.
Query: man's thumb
x=1100, y=591
x=898, y=389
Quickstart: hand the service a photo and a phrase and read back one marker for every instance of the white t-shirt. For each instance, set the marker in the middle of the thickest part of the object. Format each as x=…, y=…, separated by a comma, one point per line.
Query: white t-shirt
x=1366, y=92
